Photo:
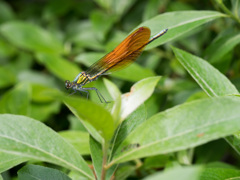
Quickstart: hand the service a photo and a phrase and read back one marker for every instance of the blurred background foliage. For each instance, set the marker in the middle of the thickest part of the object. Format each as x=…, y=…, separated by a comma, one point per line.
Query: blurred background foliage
x=60, y=38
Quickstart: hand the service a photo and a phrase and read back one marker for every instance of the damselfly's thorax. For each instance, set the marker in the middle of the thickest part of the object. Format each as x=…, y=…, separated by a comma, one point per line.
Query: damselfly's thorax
x=82, y=79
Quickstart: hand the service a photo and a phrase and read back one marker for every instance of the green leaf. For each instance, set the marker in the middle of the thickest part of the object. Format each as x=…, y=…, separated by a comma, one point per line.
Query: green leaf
x=182, y=127
x=128, y=125
x=219, y=48
x=178, y=23
x=152, y=9
x=17, y=100
x=97, y=156
x=124, y=171
x=139, y=93
x=9, y=160
x=60, y=67
x=7, y=77
x=41, y=93
x=31, y=37
x=180, y=173
x=30, y=139
x=220, y=174
x=116, y=95
x=6, y=49
x=102, y=22
x=210, y=79
x=79, y=139
x=82, y=34
x=121, y=7
x=104, y=3
x=43, y=111
x=33, y=172
x=112, y=89
x=94, y=114
x=156, y=162
x=35, y=77
x=6, y=13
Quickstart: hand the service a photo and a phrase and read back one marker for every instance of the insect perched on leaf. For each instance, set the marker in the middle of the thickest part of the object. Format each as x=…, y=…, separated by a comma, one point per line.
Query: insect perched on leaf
x=123, y=55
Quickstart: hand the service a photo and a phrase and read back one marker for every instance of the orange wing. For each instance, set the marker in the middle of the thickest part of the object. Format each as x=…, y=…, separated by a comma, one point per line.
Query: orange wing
x=124, y=54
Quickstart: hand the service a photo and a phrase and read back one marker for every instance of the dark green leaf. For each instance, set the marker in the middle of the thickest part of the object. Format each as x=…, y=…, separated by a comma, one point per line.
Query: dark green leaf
x=17, y=100
x=35, y=172
x=215, y=52
x=7, y=77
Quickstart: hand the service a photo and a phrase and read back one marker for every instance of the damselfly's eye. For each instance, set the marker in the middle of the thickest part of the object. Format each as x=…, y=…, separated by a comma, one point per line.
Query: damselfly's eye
x=68, y=84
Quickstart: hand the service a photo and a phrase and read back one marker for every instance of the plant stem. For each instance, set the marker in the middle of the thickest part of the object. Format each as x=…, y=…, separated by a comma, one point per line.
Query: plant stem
x=227, y=11
x=104, y=161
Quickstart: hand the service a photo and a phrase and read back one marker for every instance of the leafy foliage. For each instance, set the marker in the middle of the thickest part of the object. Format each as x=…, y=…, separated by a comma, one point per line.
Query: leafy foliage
x=158, y=116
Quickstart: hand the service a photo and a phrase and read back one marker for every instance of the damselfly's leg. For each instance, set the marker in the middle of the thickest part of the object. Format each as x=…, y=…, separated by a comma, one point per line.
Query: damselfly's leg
x=74, y=91
x=98, y=93
x=83, y=90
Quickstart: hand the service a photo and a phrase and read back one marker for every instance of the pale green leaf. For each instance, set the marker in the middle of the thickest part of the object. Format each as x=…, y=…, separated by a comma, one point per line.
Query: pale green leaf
x=139, y=93
x=9, y=160
x=30, y=139
x=178, y=23
x=210, y=79
x=79, y=139
x=182, y=127
x=179, y=173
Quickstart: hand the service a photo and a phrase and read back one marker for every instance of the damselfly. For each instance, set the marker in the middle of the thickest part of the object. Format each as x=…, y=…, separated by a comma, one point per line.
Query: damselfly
x=123, y=55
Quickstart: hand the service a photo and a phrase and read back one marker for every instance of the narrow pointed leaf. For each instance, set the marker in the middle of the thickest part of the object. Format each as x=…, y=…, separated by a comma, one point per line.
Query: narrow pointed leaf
x=30, y=139
x=96, y=155
x=139, y=93
x=215, y=52
x=178, y=23
x=210, y=79
x=128, y=125
x=182, y=127
x=93, y=114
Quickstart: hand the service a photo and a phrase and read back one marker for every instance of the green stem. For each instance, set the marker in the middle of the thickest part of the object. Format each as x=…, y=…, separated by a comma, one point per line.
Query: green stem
x=227, y=11
x=104, y=161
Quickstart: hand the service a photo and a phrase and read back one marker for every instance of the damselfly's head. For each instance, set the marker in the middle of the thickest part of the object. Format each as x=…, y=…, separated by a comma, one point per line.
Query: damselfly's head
x=68, y=84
